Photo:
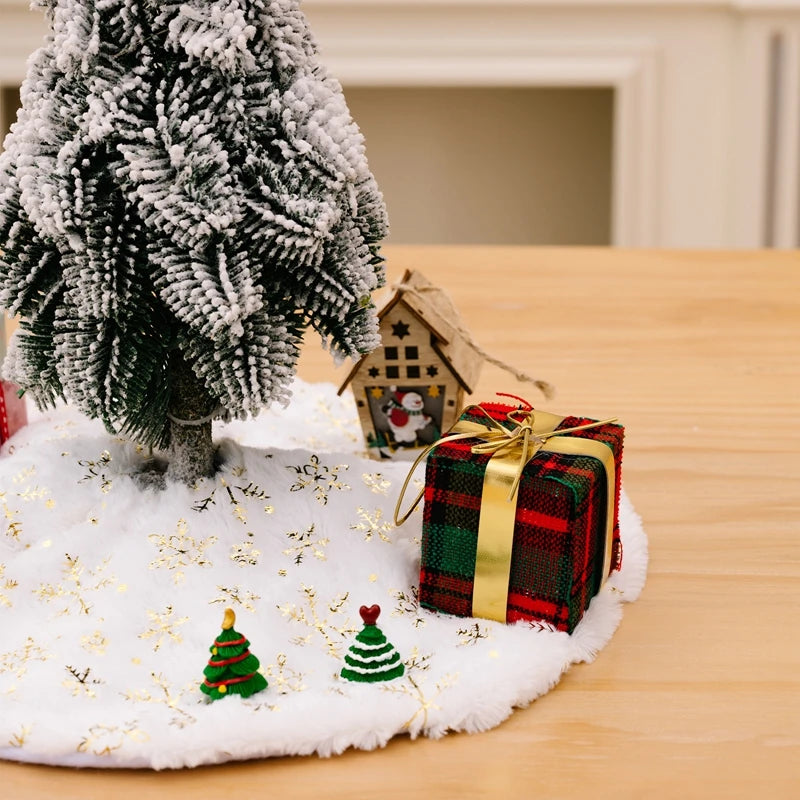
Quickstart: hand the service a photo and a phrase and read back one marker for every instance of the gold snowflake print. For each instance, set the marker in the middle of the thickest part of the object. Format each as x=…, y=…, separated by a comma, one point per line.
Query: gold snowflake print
x=408, y=605
x=167, y=696
x=13, y=525
x=18, y=740
x=417, y=662
x=179, y=550
x=163, y=627
x=306, y=544
x=473, y=634
x=31, y=493
x=6, y=585
x=245, y=554
x=376, y=483
x=78, y=582
x=17, y=661
x=425, y=699
x=96, y=643
x=80, y=683
x=325, y=414
x=24, y=475
x=327, y=622
x=102, y=740
x=96, y=470
x=372, y=526
x=283, y=679
x=64, y=433
x=236, y=495
x=234, y=596
x=321, y=479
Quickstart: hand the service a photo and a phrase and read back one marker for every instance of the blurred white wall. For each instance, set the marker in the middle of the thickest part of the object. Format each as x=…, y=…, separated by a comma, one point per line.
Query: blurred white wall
x=656, y=123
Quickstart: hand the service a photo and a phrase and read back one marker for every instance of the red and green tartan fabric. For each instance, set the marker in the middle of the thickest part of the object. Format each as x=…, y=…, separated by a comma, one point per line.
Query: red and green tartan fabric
x=559, y=532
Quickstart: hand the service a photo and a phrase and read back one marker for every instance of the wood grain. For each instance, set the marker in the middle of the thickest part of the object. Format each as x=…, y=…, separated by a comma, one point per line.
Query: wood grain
x=698, y=693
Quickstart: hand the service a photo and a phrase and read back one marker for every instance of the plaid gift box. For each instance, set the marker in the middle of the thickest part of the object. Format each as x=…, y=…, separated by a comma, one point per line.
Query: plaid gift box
x=13, y=414
x=561, y=546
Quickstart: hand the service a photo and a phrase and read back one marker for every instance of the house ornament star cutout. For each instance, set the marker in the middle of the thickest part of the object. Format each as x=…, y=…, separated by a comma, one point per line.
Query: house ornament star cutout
x=400, y=330
x=374, y=372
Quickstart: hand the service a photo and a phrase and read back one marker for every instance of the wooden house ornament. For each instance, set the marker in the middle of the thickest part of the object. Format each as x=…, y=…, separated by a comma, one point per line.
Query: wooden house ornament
x=409, y=391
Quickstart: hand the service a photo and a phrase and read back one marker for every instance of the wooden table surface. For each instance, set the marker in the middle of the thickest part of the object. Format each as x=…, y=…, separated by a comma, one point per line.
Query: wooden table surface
x=698, y=692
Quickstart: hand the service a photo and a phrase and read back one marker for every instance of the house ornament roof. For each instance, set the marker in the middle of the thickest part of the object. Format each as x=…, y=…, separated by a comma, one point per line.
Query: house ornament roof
x=434, y=308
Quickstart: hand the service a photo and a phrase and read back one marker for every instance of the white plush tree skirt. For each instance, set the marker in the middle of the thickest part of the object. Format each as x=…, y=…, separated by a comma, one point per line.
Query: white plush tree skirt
x=110, y=597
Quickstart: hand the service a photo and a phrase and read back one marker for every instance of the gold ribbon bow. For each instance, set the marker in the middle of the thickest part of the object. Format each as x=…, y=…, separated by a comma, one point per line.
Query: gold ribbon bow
x=510, y=451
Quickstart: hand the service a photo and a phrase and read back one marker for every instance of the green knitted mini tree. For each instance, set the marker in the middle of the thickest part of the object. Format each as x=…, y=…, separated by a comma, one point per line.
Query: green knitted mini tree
x=232, y=668
x=372, y=658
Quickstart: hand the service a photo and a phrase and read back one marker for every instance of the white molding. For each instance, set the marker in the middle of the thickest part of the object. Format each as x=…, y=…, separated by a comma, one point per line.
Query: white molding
x=629, y=67
x=766, y=158
x=692, y=108
x=680, y=5
x=732, y=5
x=786, y=232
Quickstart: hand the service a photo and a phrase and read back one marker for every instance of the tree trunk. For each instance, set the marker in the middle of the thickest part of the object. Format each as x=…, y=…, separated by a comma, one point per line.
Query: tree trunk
x=191, y=450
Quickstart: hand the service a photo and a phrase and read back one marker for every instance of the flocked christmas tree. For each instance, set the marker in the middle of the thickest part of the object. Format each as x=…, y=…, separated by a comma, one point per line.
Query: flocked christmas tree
x=184, y=192
x=232, y=668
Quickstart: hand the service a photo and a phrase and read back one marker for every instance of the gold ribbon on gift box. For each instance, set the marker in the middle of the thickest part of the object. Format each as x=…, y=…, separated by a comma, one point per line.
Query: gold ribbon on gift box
x=510, y=451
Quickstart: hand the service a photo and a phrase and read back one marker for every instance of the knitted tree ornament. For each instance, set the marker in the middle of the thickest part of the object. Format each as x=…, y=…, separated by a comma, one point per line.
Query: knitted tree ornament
x=232, y=668
x=372, y=658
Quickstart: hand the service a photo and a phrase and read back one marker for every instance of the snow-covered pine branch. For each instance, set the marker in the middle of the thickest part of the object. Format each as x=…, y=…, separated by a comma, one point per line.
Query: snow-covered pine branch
x=184, y=181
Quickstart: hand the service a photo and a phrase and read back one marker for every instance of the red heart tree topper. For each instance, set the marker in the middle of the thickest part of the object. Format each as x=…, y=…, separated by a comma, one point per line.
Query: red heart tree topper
x=370, y=615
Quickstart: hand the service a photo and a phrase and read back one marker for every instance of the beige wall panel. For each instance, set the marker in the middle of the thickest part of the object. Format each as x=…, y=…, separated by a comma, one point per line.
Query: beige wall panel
x=493, y=165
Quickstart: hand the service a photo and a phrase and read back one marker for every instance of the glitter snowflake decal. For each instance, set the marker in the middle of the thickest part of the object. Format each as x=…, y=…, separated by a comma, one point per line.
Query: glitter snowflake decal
x=163, y=627
x=102, y=740
x=321, y=479
x=235, y=596
x=306, y=543
x=96, y=471
x=472, y=635
x=283, y=679
x=17, y=661
x=424, y=698
x=19, y=740
x=31, y=493
x=376, y=483
x=371, y=525
x=179, y=550
x=7, y=585
x=165, y=695
x=95, y=643
x=81, y=684
x=78, y=582
x=236, y=496
x=331, y=627
x=325, y=414
x=408, y=606
x=416, y=662
x=245, y=554
x=24, y=475
x=13, y=525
